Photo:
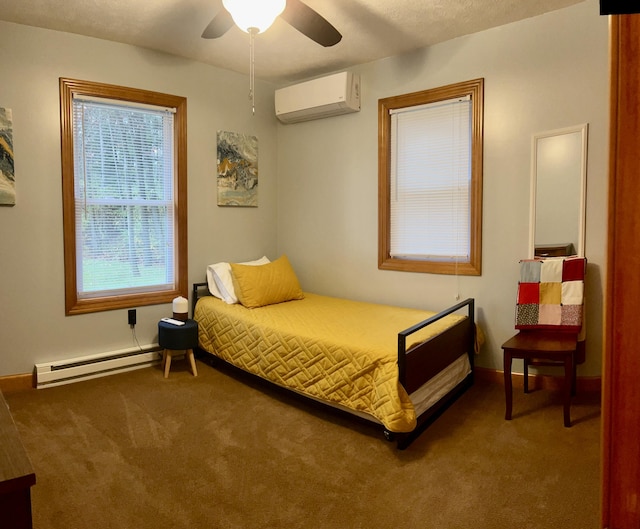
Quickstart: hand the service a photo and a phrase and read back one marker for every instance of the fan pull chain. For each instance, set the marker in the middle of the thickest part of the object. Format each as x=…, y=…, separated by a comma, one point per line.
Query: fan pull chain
x=252, y=82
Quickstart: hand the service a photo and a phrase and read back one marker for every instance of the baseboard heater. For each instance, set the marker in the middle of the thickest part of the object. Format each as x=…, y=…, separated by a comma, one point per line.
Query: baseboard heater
x=86, y=367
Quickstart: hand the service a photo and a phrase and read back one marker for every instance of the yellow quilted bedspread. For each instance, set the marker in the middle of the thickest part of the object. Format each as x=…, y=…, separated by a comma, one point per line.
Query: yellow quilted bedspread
x=339, y=351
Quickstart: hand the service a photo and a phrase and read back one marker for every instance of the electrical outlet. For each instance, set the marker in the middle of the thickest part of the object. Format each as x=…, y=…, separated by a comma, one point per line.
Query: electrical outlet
x=131, y=317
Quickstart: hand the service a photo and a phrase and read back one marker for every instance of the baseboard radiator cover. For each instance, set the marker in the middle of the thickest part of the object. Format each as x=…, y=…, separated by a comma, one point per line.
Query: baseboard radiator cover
x=60, y=372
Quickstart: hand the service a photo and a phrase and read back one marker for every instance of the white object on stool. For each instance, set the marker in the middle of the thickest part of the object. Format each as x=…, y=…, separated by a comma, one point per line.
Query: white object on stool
x=172, y=321
x=180, y=308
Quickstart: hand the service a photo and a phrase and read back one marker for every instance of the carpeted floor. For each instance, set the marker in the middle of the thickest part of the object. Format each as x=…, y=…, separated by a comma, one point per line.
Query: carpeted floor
x=137, y=451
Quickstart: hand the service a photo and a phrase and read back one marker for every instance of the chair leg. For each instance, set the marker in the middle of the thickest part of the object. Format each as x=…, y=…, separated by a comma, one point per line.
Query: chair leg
x=568, y=387
x=526, y=375
x=508, y=389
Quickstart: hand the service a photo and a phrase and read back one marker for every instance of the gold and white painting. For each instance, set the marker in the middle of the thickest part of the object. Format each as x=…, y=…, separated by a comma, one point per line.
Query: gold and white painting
x=237, y=169
x=7, y=175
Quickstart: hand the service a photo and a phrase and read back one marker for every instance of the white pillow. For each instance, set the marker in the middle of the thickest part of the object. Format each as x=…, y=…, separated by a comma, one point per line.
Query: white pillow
x=220, y=281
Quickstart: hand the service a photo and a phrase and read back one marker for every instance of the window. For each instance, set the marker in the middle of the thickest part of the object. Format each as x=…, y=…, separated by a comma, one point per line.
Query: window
x=124, y=196
x=430, y=180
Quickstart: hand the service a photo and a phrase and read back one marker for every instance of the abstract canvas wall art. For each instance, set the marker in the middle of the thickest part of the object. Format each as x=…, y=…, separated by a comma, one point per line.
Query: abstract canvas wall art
x=7, y=174
x=237, y=169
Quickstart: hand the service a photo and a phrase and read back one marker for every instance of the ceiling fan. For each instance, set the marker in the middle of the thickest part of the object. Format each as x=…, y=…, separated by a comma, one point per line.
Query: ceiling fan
x=258, y=15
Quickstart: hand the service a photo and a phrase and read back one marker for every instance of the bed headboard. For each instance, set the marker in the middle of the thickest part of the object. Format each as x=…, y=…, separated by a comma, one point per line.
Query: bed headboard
x=197, y=294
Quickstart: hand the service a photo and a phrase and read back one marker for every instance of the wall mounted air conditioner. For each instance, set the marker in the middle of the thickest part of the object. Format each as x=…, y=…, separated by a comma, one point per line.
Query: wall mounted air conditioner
x=319, y=98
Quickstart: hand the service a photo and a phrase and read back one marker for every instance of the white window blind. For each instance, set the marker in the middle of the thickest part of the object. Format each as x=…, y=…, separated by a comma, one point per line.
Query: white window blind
x=430, y=181
x=124, y=197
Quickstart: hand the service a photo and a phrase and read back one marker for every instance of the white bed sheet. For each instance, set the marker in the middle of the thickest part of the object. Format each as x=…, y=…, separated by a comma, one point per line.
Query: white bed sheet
x=433, y=390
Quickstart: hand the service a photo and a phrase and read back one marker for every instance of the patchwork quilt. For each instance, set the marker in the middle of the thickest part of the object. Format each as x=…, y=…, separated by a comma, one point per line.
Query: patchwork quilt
x=339, y=351
x=551, y=294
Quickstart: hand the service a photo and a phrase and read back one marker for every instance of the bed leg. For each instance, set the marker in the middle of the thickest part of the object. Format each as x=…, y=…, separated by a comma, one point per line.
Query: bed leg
x=389, y=436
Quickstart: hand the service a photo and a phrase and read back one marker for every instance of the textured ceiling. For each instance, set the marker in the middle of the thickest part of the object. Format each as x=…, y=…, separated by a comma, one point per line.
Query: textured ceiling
x=371, y=29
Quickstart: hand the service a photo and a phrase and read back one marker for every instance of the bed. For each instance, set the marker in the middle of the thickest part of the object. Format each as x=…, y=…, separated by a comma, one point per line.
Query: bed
x=397, y=367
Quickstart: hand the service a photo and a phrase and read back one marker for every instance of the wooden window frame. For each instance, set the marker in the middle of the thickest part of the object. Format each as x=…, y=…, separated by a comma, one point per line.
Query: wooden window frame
x=475, y=90
x=69, y=88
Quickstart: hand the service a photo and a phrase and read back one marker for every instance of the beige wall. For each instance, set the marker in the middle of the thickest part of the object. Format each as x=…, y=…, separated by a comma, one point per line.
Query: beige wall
x=34, y=327
x=318, y=180
x=542, y=73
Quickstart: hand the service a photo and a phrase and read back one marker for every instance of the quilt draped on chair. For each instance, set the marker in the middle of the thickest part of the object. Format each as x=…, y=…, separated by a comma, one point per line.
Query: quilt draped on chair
x=551, y=294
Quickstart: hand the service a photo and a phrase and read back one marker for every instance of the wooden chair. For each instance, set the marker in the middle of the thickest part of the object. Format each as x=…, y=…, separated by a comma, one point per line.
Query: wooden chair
x=549, y=316
x=542, y=348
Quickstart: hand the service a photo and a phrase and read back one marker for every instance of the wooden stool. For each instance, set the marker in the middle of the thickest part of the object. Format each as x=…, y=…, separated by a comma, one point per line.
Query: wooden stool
x=542, y=348
x=177, y=338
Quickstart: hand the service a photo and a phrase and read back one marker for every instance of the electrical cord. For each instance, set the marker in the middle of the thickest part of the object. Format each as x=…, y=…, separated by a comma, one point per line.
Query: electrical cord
x=133, y=333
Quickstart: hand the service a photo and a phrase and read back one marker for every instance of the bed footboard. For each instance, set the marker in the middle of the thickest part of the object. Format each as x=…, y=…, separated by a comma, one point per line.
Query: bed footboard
x=421, y=362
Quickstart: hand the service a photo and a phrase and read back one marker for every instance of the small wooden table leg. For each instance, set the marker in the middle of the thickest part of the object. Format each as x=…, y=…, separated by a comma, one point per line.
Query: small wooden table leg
x=167, y=362
x=192, y=361
x=508, y=389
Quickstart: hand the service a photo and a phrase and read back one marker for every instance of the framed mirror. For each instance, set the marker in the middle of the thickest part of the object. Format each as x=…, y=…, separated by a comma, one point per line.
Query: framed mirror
x=558, y=192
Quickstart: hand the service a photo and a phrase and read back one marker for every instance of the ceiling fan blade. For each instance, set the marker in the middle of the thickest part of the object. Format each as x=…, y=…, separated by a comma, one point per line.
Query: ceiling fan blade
x=310, y=23
x=220, y=24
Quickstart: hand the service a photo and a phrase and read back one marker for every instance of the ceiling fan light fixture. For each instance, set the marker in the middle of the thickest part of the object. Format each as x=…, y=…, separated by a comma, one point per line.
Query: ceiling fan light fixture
x=258, y=14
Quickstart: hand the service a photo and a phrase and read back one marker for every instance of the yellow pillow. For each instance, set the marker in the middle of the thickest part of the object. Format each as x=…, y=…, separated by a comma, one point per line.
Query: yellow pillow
x=257, y=286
